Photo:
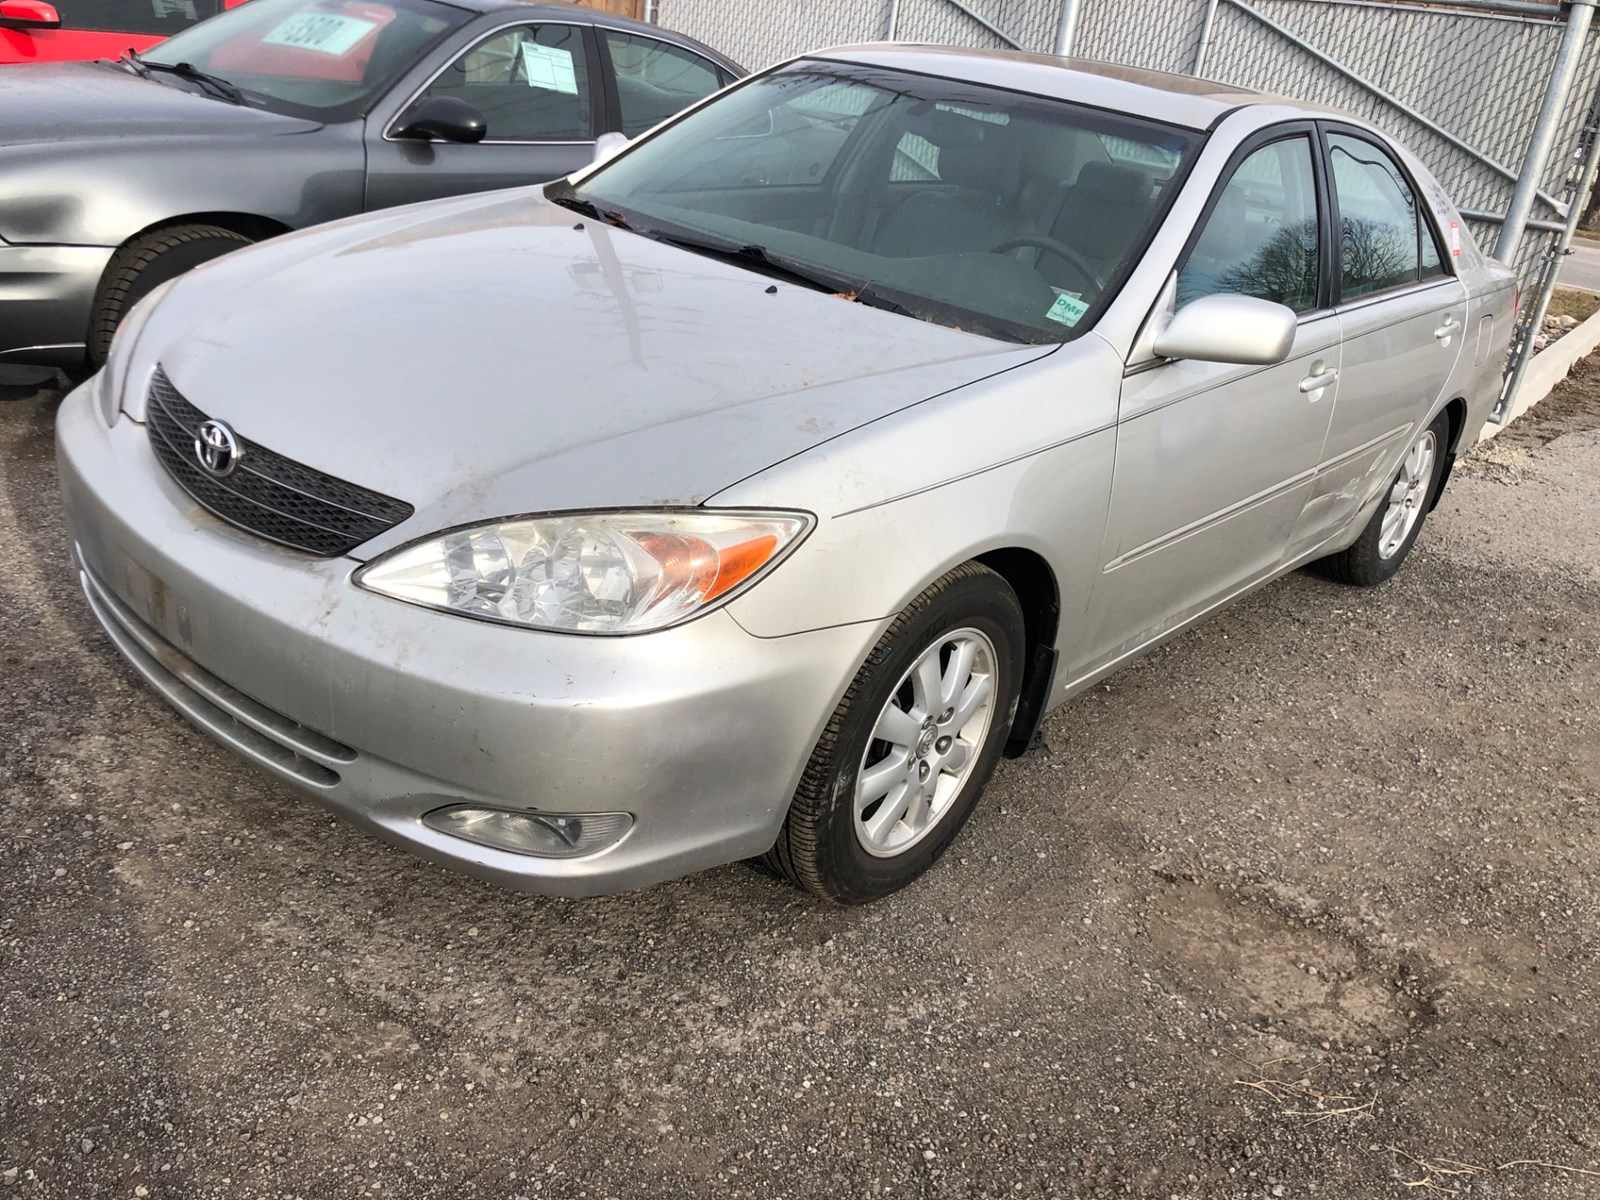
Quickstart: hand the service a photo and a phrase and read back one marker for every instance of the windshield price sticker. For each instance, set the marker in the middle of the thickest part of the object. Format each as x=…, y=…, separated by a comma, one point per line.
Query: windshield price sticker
x=1455, y=239
x=549, y=67
x=1067, y=309
x=320, y=32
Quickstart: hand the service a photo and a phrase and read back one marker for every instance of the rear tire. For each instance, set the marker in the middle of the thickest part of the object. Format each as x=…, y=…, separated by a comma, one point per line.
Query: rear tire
x=143, y=265
x=931, y=710
x=1393, y=530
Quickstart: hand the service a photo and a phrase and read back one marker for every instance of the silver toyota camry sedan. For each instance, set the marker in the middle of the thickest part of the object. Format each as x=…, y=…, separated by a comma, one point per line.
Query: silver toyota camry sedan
x=752, y=492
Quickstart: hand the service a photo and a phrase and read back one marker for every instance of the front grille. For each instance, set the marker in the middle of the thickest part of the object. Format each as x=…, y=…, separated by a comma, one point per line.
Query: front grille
x=271, y=496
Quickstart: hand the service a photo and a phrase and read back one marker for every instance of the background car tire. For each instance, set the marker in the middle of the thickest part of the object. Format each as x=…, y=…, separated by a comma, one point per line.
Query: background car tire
x=143, y=265
x=1365, y=563
x=819, y=848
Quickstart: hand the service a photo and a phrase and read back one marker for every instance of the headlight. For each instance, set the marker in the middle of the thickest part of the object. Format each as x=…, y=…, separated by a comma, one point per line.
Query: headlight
x=114, y=375
x=598, y=573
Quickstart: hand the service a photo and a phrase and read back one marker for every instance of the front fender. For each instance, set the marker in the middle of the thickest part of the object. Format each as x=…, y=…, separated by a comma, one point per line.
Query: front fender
x=1020, y=460
x=102, y=193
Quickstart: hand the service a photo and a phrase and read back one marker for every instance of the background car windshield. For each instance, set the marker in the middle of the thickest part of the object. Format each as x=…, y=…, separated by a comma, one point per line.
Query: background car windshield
x=324, y=58
x=1007, y=215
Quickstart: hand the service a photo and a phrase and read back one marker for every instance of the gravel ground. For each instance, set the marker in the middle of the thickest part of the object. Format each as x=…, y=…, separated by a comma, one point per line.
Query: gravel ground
x=1302, y=905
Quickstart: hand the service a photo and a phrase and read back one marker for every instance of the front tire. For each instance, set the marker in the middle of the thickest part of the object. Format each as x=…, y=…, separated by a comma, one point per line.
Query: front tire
x=908, y=752
x=143, y=265
x=1393, y=530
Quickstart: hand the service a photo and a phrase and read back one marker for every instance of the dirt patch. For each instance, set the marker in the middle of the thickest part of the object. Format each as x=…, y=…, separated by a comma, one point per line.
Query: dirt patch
x=1573, y=407
x=1276, y=973
x=1573, y=302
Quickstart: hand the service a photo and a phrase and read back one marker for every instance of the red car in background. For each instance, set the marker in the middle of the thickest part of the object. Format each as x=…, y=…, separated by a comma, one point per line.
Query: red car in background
x=74, y=30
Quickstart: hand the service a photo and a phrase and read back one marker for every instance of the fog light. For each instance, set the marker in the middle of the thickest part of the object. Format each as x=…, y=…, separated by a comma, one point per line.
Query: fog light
x=543, y=835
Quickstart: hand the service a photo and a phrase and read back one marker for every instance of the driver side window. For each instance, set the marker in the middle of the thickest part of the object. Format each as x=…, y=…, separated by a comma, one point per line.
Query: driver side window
x=1262, y=237
x=531, y=83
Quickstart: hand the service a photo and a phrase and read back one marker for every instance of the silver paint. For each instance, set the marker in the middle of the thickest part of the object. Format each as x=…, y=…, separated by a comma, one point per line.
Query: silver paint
x=588, y=367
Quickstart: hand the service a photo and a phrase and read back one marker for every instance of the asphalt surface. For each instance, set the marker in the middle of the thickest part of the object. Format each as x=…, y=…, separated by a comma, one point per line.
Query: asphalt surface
x=1582, y=267
x=1303, y=905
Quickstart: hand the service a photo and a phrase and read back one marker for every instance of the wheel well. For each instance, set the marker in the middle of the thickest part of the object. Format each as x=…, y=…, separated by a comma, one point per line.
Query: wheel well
x=1034, y=583
x=1456, y=410
x=245, y=224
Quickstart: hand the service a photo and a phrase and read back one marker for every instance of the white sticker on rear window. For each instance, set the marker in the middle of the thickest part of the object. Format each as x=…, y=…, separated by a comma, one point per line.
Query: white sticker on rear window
x=549, y=67
x=321, y=33
x=1067, y=309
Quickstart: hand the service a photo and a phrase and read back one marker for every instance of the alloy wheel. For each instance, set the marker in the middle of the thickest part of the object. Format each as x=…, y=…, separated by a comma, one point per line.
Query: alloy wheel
x=925, y=743
x=1408, y=495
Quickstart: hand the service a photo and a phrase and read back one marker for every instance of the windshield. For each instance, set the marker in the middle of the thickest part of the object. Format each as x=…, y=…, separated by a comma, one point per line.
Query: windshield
x=1008, y=215
x=325, y=59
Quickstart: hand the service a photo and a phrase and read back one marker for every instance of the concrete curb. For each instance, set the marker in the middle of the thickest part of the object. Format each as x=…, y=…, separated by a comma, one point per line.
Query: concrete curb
x=1549, y=368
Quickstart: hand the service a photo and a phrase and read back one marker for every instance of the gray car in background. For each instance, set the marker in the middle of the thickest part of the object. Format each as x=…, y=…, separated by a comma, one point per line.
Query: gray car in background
x=280, y=114
x=752, y=492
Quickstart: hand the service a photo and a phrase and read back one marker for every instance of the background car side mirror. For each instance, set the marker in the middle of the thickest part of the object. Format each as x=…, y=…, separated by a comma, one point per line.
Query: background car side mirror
x=1229, y=329
x=28, y=14
x=440, y=118
x=609, y=145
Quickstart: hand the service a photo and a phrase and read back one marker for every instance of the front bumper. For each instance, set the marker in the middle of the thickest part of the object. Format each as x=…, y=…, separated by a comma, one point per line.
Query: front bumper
x=46, y=293
x=383, y=711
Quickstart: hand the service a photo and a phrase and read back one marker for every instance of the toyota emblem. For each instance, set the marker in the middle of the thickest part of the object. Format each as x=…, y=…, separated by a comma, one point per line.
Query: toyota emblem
x=217, y=449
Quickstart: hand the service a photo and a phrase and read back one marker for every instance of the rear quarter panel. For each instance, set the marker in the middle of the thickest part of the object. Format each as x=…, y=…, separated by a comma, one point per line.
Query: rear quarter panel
x=1491, y=299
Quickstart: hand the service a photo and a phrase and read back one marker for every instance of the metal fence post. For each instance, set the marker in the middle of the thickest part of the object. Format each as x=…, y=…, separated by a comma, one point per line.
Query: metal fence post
x=894, y=19
x=1568, y=60
x=1558, y=253
x=1204, y=47
x=1067, y=30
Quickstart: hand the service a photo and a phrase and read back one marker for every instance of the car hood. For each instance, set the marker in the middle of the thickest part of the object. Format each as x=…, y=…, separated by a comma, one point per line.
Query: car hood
x=486, y=356
x=64, y=102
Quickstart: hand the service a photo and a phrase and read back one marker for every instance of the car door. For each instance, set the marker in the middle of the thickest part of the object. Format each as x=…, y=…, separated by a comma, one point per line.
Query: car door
x=1214, y=462
x=536, y=84
x=1402, y=317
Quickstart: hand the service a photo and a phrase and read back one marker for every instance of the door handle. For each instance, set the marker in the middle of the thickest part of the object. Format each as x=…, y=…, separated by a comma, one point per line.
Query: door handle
x=1448, y=330
x=1315, y=383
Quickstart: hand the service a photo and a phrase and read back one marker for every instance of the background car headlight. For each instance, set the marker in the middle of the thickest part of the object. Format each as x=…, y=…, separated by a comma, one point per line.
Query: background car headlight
x=113, y=378
x=598, y=573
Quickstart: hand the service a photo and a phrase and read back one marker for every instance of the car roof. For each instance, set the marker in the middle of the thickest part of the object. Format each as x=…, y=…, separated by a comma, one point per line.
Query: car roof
x=1182, y=100
x=592, y=16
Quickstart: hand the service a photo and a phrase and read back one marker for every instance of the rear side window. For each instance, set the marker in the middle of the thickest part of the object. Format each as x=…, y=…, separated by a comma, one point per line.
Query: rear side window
x=1385, y=241
x=655, y=80
x=1262, y=235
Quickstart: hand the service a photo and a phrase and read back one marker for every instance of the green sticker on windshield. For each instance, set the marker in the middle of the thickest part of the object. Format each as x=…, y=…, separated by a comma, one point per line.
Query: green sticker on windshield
x=1067, y=309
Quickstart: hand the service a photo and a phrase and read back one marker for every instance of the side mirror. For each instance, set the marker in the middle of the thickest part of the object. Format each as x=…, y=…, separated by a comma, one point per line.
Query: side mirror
x=1229, y=329
x=609, y=145
x=440, y=119
x=28, y=14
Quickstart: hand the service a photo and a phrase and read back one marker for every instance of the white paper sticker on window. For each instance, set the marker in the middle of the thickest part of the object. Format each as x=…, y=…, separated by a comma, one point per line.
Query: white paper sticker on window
x=320, y=32
x=549, y=67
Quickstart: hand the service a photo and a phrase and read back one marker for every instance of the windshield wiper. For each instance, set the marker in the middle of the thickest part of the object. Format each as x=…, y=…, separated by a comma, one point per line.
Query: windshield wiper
x=218, y=87
x=130, y=59
x=870, y=296
x=755, y=257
